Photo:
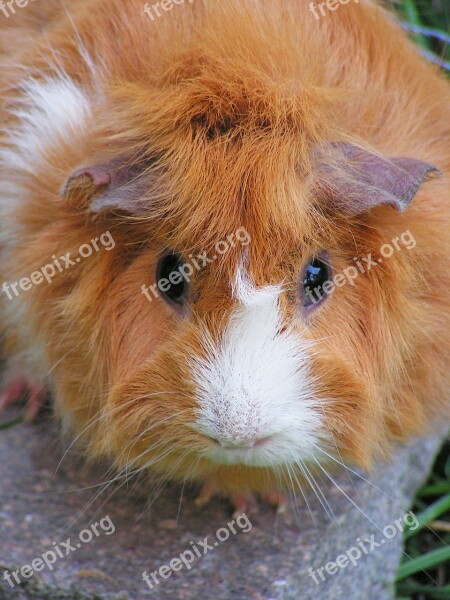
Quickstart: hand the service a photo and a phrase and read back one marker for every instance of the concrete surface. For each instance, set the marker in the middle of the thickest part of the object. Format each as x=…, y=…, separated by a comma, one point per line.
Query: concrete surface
x=270, y=561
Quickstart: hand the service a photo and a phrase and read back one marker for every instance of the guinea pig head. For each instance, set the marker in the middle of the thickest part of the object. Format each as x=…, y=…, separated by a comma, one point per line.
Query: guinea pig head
x=228, y=355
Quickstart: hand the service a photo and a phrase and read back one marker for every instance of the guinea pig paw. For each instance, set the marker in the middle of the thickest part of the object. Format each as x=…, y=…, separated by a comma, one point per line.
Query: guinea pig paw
x=238, y=500
x=277, y=499
x=207, y=491
x=37, y=395
x=240, y=503
x=19, y=388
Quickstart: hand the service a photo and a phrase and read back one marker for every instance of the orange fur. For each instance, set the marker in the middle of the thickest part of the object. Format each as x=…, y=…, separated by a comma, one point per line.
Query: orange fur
x=230, y=99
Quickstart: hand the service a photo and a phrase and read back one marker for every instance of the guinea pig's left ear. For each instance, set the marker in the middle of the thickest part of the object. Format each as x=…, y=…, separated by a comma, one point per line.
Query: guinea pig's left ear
x=119, y=185
x=363, y=180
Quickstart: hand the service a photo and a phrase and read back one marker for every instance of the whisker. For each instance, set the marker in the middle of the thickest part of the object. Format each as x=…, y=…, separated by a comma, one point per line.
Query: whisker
x=104, y=415
x=366, y=515
x=320, y=495
x=374, y=486
x=295, y=503
x=305, y=499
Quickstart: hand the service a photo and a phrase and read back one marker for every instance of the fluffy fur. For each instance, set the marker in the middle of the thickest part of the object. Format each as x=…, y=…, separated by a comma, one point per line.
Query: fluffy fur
x=224, y=102
x=255, y=384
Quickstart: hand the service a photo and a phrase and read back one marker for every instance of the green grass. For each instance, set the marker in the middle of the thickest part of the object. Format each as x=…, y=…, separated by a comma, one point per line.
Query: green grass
x=426, y=573
x=429, y=25
x=11, y=423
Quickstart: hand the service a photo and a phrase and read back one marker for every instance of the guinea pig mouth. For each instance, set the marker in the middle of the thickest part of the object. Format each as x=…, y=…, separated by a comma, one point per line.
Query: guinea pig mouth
x=236, y=456
x=240, y=445
x=262, y=452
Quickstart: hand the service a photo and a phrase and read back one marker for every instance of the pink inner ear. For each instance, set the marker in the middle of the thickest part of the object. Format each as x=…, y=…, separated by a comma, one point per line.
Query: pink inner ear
x=98, y=175
x=364, y=180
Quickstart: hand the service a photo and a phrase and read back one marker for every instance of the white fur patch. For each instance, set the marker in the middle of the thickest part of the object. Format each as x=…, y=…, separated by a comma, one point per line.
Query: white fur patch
x=255, y=383
x=49, y=111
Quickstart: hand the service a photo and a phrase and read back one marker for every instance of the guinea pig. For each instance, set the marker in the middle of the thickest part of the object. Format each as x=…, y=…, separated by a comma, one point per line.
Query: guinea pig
x=224, y=235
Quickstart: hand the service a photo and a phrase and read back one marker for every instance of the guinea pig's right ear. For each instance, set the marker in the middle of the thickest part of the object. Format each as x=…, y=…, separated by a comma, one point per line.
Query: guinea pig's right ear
x=119, y=185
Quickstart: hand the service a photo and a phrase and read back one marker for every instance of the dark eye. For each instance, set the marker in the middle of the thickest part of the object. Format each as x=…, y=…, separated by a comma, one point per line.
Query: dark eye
x=172, y=283
x=316, y=274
